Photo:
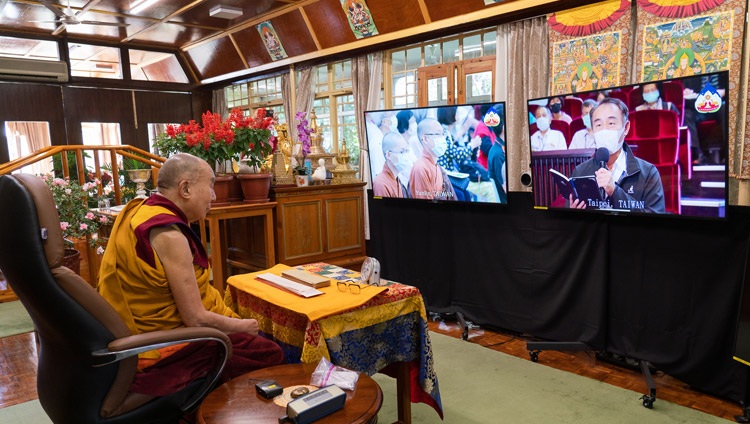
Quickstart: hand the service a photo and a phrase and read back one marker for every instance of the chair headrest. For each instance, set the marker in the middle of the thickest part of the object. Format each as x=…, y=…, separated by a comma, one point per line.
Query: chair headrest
x=49, y=221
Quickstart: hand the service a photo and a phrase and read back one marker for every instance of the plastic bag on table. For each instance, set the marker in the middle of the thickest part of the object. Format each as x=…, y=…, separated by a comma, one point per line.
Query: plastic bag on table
x=326, y=373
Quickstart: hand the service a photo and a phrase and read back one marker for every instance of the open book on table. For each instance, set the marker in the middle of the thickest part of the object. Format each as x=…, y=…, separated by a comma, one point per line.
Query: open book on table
x=583, y=187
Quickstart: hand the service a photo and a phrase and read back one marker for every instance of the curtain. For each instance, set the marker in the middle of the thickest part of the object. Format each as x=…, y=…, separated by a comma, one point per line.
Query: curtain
x=286, y=94
x=304, y=101
x=36, y=137
x=367, y=78
x=528, y=76
x=219, y=102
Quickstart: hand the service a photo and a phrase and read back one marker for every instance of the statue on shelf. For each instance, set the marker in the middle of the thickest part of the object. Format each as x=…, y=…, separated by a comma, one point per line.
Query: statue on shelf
x=344, y=173
x=319, y=176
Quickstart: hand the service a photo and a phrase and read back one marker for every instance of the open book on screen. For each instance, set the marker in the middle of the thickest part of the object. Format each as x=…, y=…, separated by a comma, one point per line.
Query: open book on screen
x=584, y=187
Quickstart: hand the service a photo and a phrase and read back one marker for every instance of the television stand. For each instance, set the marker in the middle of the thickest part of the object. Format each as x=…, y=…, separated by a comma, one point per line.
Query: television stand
x=535, y=348
x=459, y=317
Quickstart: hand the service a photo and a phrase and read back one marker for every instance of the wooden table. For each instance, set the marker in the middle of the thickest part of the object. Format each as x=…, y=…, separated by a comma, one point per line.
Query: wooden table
x=237, y=401
x=217, y=235
x=386, y=334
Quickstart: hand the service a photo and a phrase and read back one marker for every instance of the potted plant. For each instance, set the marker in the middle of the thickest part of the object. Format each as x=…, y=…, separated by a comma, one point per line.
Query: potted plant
x=212, y=141
x=77, y=221
x=254, y=143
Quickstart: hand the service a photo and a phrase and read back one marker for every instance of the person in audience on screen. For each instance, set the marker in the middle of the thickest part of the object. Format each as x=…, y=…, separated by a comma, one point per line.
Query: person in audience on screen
x=428, y=180
x=627, y=182
x=653, y=101
x=155, y=273
x=555, y=105
x=496, y=160
x=456, y=132
x=407, y=127
x=545, y=138
x=373, y=120
x=485, y=135
x=584, y=138
x=398, y=164
x=601, y=95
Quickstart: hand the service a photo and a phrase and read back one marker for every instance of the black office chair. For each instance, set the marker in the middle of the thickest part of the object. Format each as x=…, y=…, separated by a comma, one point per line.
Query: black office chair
x=87, y=356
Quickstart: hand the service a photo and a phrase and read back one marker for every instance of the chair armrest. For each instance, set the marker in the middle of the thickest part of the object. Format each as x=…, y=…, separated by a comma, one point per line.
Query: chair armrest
x=126, y=347
x=129, y=346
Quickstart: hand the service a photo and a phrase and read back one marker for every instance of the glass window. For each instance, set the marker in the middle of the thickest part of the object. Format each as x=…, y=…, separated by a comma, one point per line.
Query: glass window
x=155, y=66
x=451, y=51
x=92, y=61
x=26, y=137
x=27, y=48
x=100, y=133
x=472, y=46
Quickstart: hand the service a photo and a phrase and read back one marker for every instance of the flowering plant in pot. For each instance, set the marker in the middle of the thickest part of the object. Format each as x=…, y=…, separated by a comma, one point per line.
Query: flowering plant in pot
x=77, y=221
x=254, y=141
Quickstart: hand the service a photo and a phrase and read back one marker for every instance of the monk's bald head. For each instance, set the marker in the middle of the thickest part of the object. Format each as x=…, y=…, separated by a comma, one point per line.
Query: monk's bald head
x=182, y=166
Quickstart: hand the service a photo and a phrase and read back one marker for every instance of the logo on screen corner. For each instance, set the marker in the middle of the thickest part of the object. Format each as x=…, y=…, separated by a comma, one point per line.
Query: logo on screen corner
x=631, y=190
x=709, y=100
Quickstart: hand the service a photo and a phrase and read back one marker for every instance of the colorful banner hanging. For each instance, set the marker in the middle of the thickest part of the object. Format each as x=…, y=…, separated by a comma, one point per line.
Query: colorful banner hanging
x=271, y=40
x=687, y=47
x=587, y=63
x=587, y=20
x=678, y=8
x=359, y=17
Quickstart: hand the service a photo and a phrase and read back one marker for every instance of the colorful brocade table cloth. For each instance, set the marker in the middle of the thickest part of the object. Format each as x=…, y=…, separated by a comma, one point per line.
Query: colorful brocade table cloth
x=390, y=327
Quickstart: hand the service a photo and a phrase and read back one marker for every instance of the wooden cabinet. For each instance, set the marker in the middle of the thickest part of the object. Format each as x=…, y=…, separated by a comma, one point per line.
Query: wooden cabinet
x=320, y=224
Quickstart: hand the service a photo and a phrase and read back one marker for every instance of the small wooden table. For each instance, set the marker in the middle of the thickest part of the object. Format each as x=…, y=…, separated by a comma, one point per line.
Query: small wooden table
x=237, y=401
x=218, y=240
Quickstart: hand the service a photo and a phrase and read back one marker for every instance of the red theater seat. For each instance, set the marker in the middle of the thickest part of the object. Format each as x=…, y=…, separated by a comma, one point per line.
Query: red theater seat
x=670, y=181
x=673, y=93
x=636, y=98
x=622, y=95
x=572, y=106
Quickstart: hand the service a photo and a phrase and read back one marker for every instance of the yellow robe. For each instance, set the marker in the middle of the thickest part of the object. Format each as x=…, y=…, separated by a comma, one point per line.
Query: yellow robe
x=132, y=277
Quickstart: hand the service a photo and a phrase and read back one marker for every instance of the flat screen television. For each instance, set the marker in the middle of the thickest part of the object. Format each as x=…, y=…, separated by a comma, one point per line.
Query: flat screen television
x=648, y=148
x=451, y=153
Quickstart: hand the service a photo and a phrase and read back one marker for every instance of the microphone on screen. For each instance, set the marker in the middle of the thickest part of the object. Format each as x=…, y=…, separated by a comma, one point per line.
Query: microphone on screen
x=602, y=156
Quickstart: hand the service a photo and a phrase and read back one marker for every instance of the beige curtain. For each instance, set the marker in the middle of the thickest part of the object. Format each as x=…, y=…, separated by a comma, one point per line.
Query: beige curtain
x=303, y=101
x=286, y=93
x=219, y=102
x=367, y=79
x=36, y=136
x=528, y=76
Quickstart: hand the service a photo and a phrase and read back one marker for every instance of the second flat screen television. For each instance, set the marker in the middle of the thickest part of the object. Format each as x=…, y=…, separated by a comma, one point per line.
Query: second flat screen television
x=649, y=148
x=440, y=154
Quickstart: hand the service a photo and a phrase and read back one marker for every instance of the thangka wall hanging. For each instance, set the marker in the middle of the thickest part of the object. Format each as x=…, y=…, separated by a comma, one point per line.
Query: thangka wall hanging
x=688, y=46
x=587, y=47
x=271, y=40
x=673, y=41
x=359, y=17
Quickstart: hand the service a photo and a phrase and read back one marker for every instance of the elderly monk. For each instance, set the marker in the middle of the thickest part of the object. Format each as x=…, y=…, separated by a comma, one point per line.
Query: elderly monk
x=389, y=183
x=428, y=180
x=155, y=274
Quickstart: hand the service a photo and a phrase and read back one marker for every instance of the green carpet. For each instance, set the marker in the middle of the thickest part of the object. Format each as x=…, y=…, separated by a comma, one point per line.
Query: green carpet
x=14, y=319
x=479, y=385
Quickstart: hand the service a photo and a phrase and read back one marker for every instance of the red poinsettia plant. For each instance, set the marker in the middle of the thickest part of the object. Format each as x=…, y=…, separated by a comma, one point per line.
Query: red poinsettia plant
x=215, y=139
x=252, y=136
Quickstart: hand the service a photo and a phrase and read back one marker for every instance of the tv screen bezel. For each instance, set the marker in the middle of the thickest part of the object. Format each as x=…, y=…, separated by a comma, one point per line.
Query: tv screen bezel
x=438, y=201
x=723, y=75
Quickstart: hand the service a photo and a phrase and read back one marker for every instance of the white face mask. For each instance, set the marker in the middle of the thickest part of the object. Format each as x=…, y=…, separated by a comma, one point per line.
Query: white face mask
x=441, y=145
x=543, y=123
x=611, y=139
x=403, y=162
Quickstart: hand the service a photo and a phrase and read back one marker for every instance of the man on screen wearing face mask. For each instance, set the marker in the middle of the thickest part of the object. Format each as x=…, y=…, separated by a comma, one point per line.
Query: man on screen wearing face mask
x=652, y=100
x=428, y=180
x=398, y=163
x=584, y=138
x=626, y=182
x=546, y=138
